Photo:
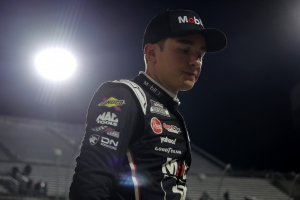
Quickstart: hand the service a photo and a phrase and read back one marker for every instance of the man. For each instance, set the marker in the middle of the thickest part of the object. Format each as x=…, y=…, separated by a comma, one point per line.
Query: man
x=136, y=145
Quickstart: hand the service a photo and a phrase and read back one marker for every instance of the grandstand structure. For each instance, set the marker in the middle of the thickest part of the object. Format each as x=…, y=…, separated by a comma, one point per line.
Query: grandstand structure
x=51, y=148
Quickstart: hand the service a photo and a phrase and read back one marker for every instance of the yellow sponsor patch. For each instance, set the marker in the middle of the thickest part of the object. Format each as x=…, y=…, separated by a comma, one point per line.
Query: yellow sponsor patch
x=112, y=102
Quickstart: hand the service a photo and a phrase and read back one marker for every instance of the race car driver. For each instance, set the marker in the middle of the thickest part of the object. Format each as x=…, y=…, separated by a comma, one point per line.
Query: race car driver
x=136, y=145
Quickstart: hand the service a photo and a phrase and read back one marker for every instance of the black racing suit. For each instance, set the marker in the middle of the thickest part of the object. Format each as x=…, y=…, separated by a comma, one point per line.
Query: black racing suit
x=135, y=147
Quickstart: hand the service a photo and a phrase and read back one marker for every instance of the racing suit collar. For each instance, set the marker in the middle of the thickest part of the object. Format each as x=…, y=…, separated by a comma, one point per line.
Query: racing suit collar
x=174, y=97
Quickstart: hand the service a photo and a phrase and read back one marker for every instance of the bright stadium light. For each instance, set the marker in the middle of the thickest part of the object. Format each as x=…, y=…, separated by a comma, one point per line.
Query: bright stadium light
x=55, y=64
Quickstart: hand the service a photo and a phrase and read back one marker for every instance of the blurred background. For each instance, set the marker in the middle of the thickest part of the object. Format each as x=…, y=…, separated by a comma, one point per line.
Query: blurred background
x=244, y=109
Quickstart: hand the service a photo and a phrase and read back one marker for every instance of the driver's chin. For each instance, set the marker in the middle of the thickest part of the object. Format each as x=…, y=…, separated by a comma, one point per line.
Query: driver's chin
x=187, y=85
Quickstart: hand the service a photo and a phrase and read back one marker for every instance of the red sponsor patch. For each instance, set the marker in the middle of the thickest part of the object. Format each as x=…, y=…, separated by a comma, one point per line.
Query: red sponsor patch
x=156, y=125
x=172, y=128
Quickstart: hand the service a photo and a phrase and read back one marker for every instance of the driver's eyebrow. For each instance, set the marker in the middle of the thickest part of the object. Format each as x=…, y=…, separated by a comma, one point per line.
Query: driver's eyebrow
x=189, y=42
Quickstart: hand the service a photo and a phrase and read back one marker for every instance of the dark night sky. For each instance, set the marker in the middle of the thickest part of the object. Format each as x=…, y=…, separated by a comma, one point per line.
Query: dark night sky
x=238, y=111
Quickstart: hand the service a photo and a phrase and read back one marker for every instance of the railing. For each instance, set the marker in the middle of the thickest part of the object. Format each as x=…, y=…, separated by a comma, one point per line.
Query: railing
x=288, y=183
x=11, y=184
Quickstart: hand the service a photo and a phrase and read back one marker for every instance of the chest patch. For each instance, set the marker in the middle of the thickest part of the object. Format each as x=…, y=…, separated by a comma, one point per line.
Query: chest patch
x=158, y=108
x=156, y=125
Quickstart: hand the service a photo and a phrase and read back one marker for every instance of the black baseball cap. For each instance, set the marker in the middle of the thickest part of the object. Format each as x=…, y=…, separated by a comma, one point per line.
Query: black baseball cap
x=176, y=23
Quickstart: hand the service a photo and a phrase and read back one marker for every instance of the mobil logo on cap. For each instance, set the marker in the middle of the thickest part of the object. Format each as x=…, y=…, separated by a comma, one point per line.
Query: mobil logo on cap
x=191, y=20
x=156, y=125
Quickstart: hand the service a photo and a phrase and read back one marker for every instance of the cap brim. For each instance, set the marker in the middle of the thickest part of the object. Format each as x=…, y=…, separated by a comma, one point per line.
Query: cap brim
x=214, y=38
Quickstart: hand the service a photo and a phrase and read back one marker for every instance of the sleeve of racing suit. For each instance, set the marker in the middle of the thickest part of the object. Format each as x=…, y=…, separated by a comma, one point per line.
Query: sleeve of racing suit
x=111, y=123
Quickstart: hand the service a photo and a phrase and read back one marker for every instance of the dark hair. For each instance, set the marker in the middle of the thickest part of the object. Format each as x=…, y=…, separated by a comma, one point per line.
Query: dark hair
x=161, y=44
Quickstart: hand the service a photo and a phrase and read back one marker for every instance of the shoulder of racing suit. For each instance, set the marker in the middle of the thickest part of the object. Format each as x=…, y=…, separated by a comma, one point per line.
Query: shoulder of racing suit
x=138, y=91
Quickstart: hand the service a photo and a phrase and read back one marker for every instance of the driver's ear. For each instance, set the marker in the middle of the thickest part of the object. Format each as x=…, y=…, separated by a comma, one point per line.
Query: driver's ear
x=149, y=51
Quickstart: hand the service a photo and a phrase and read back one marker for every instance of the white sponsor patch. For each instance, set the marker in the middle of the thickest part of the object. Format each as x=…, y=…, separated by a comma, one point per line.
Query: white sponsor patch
x=108, y=118
x=152, y=88
x=156, y=104
x=172, y=128
x=175, y=169
x=160, y=111
x=94, y=139
x=108, y=130
x=97, y=129
x=114, y=134
x=158, y=108
x=109, y=143
x=167, y=140
x=167, y=150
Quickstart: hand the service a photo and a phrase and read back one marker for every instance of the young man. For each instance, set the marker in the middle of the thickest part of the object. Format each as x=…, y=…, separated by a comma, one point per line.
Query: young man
x=136, y=145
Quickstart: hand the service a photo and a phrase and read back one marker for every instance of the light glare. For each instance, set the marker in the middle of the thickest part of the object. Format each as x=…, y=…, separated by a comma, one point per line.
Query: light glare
x=55, y=64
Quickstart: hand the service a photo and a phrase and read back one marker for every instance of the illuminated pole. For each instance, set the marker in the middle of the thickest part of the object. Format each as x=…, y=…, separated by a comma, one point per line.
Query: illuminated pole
x=221, y=180
x=292, y=184
x=58, y=153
